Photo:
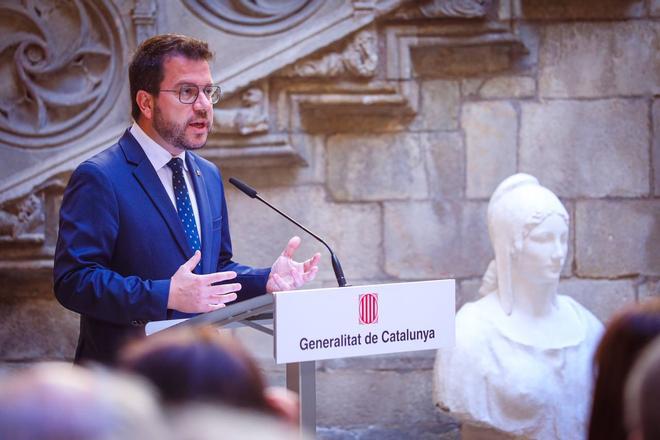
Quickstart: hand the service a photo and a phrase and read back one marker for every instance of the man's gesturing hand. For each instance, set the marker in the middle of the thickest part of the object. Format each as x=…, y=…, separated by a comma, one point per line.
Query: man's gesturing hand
x=287, y=274
x=192, y=293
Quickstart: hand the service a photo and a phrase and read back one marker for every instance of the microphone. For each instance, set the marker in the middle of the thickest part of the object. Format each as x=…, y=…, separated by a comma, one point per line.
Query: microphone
x=252, y=193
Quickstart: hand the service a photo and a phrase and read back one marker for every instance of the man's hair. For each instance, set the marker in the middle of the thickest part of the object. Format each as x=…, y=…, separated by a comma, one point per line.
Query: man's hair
x=146, y=69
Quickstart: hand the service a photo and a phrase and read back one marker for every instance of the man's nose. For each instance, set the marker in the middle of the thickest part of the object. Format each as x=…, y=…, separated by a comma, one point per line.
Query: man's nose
x=202, y=102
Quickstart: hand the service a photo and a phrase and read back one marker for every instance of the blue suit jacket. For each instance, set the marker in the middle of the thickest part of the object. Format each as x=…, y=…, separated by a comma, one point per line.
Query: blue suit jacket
x=121, y=240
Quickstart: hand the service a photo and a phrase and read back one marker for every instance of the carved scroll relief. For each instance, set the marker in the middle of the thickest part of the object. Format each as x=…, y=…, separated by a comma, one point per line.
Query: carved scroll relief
x=456, y=8
x=60, y=63
x=253, y=17
x=462, y=9
x=359, y=58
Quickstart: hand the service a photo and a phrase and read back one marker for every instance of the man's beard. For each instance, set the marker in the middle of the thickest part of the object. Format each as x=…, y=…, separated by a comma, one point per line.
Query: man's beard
x=175, y=134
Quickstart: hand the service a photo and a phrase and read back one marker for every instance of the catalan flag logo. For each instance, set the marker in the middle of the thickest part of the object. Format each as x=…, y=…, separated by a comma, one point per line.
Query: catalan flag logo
x=369, y=308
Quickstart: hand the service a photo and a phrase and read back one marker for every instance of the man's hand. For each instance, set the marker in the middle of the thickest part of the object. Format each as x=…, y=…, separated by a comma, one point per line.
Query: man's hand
x=287, y=274
x=192, y=293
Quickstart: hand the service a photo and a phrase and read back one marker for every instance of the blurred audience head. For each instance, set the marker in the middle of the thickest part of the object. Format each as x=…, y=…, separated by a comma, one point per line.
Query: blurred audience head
x=203, y=421
x=626, y=335
x=57, y=401
x=642, y=391
x=201, y=365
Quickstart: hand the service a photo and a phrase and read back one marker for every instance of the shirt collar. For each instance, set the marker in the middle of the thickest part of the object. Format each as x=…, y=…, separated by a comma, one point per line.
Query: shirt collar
x=157, y=155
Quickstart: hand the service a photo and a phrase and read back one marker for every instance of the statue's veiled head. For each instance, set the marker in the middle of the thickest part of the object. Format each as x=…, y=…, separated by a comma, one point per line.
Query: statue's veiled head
x=528, y=228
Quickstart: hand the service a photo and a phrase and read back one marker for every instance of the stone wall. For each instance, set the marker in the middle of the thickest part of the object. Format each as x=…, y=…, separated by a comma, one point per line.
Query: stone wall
x=388, y=142
x=408, y=202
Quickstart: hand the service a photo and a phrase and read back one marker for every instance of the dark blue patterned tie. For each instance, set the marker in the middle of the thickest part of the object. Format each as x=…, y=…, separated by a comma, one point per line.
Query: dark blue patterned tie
x=183, y=205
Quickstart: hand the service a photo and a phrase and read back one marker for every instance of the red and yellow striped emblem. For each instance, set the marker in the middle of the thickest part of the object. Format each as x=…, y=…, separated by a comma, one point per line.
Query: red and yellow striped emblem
x=368, y=308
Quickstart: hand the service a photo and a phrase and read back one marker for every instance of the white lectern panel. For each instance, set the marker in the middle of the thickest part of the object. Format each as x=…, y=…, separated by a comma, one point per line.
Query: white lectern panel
x=363, y=320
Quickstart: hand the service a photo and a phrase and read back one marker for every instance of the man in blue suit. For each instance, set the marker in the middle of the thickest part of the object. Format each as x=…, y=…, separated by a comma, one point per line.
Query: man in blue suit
x=143, y=225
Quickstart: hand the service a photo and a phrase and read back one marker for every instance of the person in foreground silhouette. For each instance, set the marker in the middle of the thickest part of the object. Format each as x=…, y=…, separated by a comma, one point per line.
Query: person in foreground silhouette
x=627, y=334
x=200, y=365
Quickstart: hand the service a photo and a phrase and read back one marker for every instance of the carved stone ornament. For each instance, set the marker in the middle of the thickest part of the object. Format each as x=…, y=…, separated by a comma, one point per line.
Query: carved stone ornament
x=144, y=19
x=60, y=66
x=359, y=58
x=28, y=216
x=455, y=8
x=248, y=119
x=253, y=17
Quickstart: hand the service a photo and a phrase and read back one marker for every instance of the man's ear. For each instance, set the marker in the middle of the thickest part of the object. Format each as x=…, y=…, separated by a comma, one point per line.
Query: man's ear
x=145, y=102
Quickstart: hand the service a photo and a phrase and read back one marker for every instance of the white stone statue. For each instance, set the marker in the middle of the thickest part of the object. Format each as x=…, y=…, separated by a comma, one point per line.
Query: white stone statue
x=522, y=360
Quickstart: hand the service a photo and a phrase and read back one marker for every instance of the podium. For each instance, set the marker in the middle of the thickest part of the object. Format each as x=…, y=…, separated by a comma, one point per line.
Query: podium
x=316, y=324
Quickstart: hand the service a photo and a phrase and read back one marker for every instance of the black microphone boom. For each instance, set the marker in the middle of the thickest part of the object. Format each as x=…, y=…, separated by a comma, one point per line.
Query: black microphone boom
x=252, y=193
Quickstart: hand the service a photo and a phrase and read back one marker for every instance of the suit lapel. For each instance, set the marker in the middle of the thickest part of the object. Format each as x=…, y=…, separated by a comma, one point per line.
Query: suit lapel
x=204, y=207
x=146, y=175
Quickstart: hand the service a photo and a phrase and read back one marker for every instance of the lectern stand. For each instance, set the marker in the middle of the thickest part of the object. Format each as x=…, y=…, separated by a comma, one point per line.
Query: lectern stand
x=257, y=313
x=315, y=324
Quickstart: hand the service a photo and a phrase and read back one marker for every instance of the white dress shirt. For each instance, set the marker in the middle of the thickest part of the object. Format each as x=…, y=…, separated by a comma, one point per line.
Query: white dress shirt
x=159, y=157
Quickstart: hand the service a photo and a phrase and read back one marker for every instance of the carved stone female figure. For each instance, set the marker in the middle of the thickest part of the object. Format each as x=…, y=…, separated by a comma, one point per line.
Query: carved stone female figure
x=522, y=360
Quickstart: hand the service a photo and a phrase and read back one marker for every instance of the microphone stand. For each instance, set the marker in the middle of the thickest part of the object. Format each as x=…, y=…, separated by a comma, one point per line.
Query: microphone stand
x=300, y=377
x=252, y=193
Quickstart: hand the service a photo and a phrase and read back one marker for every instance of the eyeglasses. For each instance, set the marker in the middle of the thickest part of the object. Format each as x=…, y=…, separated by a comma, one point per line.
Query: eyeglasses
x=188, y=93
